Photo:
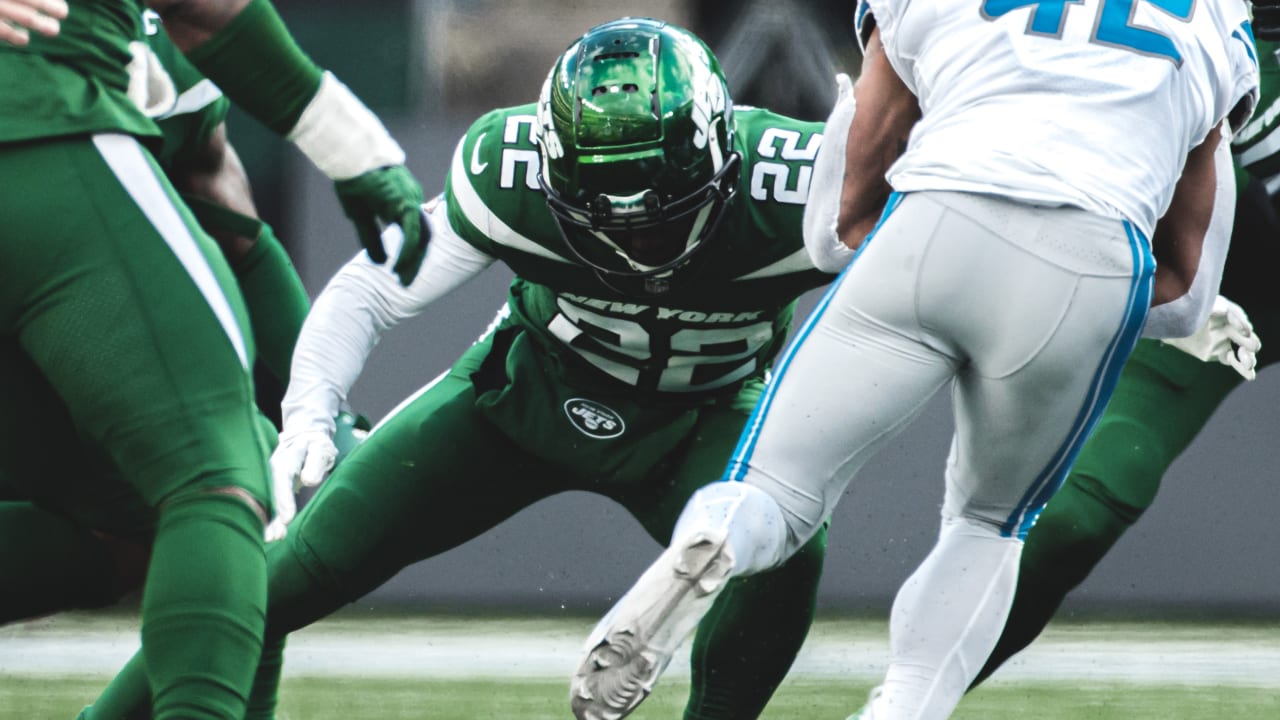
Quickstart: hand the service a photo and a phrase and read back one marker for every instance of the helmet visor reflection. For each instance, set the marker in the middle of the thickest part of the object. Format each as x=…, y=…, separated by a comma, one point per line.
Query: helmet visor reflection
x=638, y=234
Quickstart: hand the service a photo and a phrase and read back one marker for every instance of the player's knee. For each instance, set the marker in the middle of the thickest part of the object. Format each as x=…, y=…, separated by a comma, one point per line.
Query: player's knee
x=1081, y=522
x=1123, y=463
x=749, y=519
x=808, y=560
x=227, y=501
x=800, y=512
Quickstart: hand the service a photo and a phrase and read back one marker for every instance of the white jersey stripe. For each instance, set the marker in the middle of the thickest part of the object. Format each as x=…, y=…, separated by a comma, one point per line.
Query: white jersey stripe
x=797, y=261
x=126, y=159
x=478, y=214
x=197, y=97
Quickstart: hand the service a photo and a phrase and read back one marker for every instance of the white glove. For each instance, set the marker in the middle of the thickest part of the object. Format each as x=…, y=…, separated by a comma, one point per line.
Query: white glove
x=302, y=460
x=1227, y=336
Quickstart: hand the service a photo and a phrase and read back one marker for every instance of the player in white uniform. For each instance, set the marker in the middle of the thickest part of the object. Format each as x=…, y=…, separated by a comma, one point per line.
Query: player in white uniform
x=1013, y=261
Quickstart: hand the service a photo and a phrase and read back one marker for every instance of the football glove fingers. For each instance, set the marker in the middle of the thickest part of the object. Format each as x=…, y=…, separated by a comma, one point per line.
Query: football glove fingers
x=1244, y=361
x=299, y=460
x=1242, y=352
x=1226, y=337
x=285, y=508
x=276, y=529
x=18, y=16
x=303, y=460
x=382, y=197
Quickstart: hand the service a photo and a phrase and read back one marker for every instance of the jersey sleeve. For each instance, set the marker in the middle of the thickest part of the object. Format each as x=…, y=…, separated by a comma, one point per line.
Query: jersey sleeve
x=492, y=180
x=864, y=21
x=882, y=14
x=357, y=305
x=896, y=34
x=466, y=210
x=494, y=199
x=1243, y=81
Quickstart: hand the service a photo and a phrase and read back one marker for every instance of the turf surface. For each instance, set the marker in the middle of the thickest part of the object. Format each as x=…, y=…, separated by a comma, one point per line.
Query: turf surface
x=389, y=699
x=463, y=668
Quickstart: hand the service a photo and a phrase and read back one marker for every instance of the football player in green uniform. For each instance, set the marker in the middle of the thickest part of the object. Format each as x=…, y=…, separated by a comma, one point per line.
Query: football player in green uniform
x=1164, y=397
x=120, y=319
x=655, y=234
x=83, y=556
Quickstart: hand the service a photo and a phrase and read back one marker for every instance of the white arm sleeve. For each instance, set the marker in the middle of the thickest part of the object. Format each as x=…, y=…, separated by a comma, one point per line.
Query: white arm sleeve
x=822, y=211
x=359, y=303
x=1185, y=315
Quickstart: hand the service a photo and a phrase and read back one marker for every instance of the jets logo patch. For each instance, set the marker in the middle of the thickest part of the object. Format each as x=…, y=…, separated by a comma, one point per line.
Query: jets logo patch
x=593, y=419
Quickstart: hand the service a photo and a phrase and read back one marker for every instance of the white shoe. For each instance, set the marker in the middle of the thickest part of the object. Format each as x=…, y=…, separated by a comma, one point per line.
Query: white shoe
x=864, y=712
x=631, y=646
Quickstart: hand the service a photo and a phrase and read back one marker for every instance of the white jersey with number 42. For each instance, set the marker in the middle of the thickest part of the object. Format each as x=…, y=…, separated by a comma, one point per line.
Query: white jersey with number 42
x=1089, y=103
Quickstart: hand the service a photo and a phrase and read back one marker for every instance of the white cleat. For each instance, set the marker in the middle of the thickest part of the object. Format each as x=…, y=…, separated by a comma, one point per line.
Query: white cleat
x=864, y=712
x=631, y=646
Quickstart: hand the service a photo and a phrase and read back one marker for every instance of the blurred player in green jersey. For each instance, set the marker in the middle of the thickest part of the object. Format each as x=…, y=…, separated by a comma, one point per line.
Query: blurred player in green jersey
x=655, y=234
x=1165, y=396
x=121, y=327
x=82, y=556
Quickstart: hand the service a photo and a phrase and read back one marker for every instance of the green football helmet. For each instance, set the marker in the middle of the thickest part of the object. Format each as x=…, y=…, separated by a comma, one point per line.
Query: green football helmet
x=636, y=133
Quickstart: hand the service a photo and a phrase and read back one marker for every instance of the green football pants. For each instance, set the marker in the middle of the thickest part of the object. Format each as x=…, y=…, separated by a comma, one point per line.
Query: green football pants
x=127, y=312
x=437, y=473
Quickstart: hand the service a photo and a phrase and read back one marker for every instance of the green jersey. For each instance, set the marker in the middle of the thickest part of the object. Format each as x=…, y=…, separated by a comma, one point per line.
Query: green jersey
x=76, y=82
x=198, y=107
x=725, y=314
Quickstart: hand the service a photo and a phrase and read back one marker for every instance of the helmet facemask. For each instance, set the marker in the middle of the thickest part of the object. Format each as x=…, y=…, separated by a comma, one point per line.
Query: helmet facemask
x=640, y=234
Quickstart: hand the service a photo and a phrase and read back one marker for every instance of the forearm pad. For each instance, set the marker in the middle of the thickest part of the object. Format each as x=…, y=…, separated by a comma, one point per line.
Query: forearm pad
x=258, y=65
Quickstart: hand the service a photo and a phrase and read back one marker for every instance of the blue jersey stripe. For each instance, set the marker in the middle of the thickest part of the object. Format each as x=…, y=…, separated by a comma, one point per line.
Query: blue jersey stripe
x=1250, y=45
x=741, y=458
x=1102, y=387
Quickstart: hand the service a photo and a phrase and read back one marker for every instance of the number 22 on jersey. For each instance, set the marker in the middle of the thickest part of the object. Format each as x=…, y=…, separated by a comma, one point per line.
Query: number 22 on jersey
x=1113, y=26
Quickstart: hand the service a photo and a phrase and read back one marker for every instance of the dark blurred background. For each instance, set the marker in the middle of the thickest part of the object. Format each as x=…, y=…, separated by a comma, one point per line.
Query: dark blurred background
x=429, y=67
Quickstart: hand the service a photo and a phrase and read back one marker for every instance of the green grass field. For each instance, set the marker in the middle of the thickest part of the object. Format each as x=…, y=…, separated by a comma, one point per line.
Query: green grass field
x=448, y=668
x=386, y=699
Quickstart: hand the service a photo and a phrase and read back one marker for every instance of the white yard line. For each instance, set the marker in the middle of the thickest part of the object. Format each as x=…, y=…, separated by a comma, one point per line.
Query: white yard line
x=470, y=648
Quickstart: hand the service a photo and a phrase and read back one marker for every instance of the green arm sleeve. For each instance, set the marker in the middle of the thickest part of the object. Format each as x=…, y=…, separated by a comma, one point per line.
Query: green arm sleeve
x=257, y=63
x=272, y=289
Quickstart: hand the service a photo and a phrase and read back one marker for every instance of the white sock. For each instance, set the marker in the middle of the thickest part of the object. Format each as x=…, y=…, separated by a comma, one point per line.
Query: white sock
x=946, y=620
x=749, y=519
